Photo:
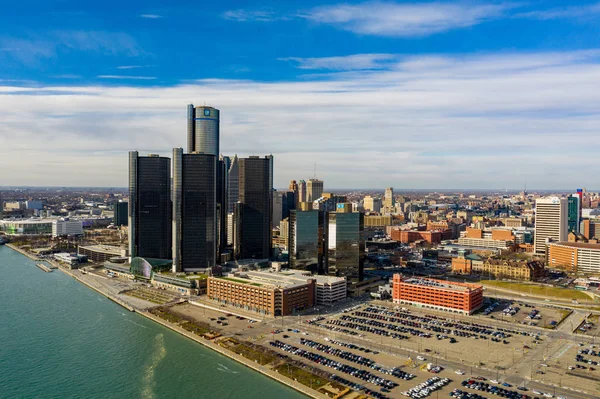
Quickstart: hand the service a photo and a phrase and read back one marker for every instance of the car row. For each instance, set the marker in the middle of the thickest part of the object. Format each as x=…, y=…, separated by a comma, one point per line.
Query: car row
x=495, y=390
x=425, y=389
x=320, y=359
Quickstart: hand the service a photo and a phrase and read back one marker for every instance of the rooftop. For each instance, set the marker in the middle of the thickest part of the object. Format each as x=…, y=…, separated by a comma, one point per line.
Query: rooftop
x=441, y=284
x=104, y=248
x=578, y=244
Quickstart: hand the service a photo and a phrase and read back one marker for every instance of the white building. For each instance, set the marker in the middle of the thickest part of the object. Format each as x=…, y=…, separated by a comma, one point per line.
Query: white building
x=66, y=227
x=550, y=222
x=330, y=289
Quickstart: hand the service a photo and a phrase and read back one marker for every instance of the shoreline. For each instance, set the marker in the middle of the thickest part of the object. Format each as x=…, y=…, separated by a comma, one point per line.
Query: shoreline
x=206, y=343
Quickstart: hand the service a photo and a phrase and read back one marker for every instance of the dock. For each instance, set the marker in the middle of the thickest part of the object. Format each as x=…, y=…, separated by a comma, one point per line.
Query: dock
x=44, y=267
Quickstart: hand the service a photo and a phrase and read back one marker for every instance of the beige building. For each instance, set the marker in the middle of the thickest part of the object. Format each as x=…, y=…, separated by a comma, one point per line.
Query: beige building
x=314, y=189
x=550, y=222
x=378, y=221
x=372, y=204
x=574, y=257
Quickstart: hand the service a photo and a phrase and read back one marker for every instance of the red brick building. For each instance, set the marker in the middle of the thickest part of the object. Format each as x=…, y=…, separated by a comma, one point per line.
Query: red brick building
x=437, y=294
x=410, y=236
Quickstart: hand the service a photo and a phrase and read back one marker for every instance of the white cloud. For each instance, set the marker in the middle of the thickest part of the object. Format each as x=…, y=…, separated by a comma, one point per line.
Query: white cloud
x=126, y=77
x=395, y=19
x=134, y=66
x=486, y=121
x=582, y=11
x=242, y=15
x=32, y=50
x=345, y=63
x=151, y=16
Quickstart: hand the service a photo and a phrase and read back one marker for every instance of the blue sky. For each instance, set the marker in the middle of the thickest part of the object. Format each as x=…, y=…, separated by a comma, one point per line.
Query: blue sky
x=446, y=94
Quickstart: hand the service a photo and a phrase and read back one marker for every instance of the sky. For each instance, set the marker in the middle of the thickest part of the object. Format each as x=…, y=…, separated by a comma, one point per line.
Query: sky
x=419, y=94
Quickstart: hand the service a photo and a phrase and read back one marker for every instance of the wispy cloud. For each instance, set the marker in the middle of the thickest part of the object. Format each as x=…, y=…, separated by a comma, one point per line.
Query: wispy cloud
x=126, y=77
x=134, y=66
x=151, y=16
x=242, y=15
x=583, y=11
x=394, y=19
x=345, y=63
x=67, y=76
x=436, y=115
x=30, y=50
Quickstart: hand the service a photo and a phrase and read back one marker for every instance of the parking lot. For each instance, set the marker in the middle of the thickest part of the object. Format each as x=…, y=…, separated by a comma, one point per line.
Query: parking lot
x=523, y=313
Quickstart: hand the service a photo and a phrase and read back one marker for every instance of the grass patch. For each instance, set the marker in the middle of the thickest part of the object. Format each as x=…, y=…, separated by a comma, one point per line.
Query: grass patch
x=256, y=353
x=303, y=376
x=149, y=295
x=533, y=289
x=240, y=281
x=187, y=323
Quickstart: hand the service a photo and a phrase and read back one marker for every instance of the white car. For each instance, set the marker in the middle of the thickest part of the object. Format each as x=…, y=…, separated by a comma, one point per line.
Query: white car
x=421, y=358
x=495, y=381
x=535, y=391
x=548, y=395
x=460, y=372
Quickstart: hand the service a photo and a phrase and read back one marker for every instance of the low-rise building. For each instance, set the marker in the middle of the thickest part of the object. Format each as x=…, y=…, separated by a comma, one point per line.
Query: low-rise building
x=410, y=236
x=101, y=253
x=27, y=226
x=437, y=294
x=512, y=269
x=67, y=227
x=574, y=257
x=270, y=296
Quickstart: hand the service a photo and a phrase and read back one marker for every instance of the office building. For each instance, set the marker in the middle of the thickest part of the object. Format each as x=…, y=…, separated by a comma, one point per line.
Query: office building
x=573, y=212
x=273, y=295
x=34, y=205
x=328, y=202
x=590, y=228
x=574, y=257
x=288, y=203
x=222, y=203
x=253, y=211
x=314, y=189
x=307, y=239
x=149, y=206
x=550, y=222
x=345, y=244
x=121, y=215
x=233, y=183
x=67, y=227
x=194, y=211
x=203, y=130
x=437, y=294
x=371, y=204
x=302, y=195
x=277, y=209
x=388, y=199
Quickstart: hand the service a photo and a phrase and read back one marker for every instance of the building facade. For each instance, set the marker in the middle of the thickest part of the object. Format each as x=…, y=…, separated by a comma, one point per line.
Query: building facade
x=550, y=222
x=437, y=294
x=194, y=211
x=574, y=257
x=101, y=253
x=573, y=213
x=345, y=244
x=307, y=240
x=121, y=214
x=149, y=206
x=203, y=130
x=314, y=189
x=67, y=227
x=254, y=211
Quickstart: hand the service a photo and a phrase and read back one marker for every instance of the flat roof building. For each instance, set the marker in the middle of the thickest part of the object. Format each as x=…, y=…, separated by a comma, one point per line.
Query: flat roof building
x=551, y=221
x=101, y=253
x=437, y=294
x=574, y=257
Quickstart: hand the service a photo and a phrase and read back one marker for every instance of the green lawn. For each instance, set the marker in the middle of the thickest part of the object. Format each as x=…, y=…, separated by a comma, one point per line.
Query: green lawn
x=304, y=377
x=533, y=289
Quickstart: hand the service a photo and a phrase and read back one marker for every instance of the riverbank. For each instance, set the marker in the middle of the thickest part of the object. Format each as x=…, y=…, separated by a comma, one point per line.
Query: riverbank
x=206, y=343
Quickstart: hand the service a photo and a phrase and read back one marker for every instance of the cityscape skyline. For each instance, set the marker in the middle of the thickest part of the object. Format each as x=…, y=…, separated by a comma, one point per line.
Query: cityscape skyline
x=439, y=98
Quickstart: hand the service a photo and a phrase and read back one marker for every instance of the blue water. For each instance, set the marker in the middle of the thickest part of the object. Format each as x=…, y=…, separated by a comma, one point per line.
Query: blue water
x=59, y=339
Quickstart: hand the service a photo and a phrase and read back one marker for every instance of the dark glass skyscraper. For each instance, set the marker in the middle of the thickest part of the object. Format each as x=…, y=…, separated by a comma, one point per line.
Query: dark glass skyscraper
x=121, y=214
x=307, y=240
x=194, y=211
x=203, y=130
x=223, y=165
x=573, y=206
x=346, y=244
x=149, y=206
x=255, y=197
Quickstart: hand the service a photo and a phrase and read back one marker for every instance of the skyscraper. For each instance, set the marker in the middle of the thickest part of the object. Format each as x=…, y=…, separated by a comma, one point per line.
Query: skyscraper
x=307, y=239
x=388, y=201
x=194, y=211
x=314, y=189
x=372, y=204
x=550, y=221
x=149, y=206
x=253, y=217
x=301, y=191
x=573, y=207
x=277, y=208
x=223, y=165
x=121, y=217
x=203, y=130
x=345, y=244
x=233, y=183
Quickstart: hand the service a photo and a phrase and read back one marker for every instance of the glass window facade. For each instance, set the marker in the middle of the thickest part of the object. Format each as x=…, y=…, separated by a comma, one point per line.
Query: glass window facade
x=306, y=240
x=346, y=245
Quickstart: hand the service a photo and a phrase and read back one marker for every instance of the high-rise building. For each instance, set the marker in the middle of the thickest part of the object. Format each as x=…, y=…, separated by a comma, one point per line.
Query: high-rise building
x=345, y=244
x=550, y=222
x=149, y=206
x=288, y=203
x=203, y=130
x=388, y=198
x=293, y=186
x=194, y=211
x=307, y=239
x=372, y=204
x=301, y=191
x=223, y=165
x=253, y=218
x=314, y=189
x=573, y=212
x=277, y=208
x=233, y=183
x=121, y=216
